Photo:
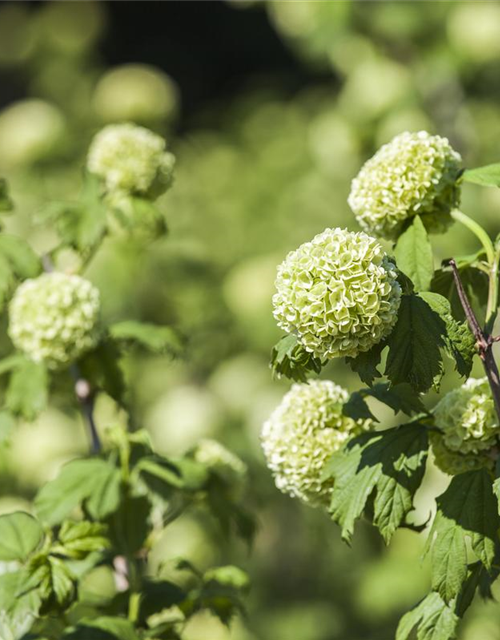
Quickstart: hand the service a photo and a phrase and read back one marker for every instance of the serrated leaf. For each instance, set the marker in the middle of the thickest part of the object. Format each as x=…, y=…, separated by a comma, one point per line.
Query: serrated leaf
x=468, y=508
x=433, y=618
x=401, y=397
x=155, y=338
x=476, y=572
x=415, y=345
x=18, y=261
x=78, y=481
x=290, y=359
x=102, y=366
x=78, y=539
x=129, y=524
x=81, y=224
x=52, y=580
x=391, y=464
x=413, y=253
x=460, y=343
x=103, y=628
x=475, y=283
x=487, y=176
x=20, y=535
x=158, y=595
x=27, y=392
x=365, y=364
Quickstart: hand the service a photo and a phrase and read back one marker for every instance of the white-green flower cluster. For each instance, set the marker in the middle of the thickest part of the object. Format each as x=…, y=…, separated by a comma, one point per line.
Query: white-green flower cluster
x=467, y=417
x=302, y=434
x=338, y=293
x=130, y=159
x=220, y=460
x=54, y=318
x=454, y=462
x=414, y=174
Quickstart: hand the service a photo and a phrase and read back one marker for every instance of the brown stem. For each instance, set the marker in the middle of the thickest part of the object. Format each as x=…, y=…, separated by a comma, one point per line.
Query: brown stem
x=484, y=341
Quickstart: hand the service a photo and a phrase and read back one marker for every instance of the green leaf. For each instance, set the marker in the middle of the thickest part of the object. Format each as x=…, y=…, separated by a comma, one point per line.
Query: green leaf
x=140, y=215
x=78, y=539
x=153, y=337
x=389, y=464
x=434, y=620
x=290, y=359
x=103, y=628
x=162, y=475
x=460, y=343
x=467, y=509
x=414, y=345
x=487, y=176
x=6, y=203
x=52, y=579
x=413, y=254
x=27, y=393
x=18, y=261
x=401, y=397
x=18, y=612
x=102, y=366
x=158, y=595
x=20, y=535
x=94, y=480
x=365, y=364
x=129, y=524
x=475, y=283
x=81, y=224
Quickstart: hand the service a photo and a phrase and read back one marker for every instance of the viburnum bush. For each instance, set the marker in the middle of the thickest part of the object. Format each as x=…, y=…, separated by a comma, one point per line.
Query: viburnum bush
x=108, y=509
x=396, y=319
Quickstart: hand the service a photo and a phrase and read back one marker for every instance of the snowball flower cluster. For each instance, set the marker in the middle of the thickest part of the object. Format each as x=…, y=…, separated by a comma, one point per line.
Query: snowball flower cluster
x=338, y=293
x=130, y=159
x=220, y=460
x=467, y=417
x=414, y=174
x=454, y=462
x=302, y=434
x=54, y=318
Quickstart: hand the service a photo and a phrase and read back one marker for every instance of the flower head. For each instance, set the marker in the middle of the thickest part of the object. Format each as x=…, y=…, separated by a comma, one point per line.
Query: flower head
x=467, y=418
x=338, y=293
x=454, y=462
x=54, y=318
x=130, y=159
x=414, y=174
x=302, y=434
x=221, y=461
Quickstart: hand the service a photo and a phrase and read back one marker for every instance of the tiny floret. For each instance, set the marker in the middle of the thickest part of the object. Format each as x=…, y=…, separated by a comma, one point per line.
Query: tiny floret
x=130, y=159
x=467, y=418
x=221, y=461
x=338, y=293
x=302, y=434
x=414, y=174
x=54, y=318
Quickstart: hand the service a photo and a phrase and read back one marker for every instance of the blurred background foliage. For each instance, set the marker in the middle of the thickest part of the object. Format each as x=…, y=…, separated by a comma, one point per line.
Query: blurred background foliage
x=271, y=108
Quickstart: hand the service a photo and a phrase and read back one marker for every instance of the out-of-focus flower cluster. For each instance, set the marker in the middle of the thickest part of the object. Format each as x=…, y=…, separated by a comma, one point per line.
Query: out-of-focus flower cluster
x=131, y=159
x=302, y=434
x=339, y=293
x=221, y=461
x=414, y=174
x=469, y=428
x=467, y=417
x=54, y=318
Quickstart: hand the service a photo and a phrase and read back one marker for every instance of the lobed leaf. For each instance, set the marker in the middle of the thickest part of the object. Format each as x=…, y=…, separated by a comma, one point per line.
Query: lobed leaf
x=389, y=465
x=415, y=345
x=401, y=397
x=487, y=176
x=20, y=535
x=467, y=509
x=433, y=619
x=290, y=359
x=413, y=253
x=27, y=392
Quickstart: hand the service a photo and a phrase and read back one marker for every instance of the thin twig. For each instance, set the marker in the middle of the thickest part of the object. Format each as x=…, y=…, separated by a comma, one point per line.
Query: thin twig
x=86, y=398
x=484, y=341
